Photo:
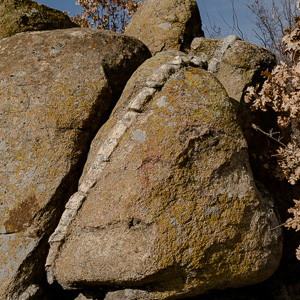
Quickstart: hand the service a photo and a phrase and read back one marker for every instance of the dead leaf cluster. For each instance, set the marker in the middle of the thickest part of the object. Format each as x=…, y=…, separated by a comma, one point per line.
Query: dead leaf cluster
x=105, y=14
x=281, y=92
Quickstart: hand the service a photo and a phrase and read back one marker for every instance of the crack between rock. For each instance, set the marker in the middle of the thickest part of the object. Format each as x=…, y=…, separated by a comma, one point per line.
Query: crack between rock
x=135, y=108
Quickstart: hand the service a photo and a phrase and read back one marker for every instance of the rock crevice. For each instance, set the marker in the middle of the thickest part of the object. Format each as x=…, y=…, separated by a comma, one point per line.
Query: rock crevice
x=135, y=107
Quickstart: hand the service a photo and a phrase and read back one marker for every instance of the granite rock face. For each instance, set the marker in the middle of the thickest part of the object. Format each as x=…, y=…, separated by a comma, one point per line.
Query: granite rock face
x=237, y=64
x=27, y=15
x=56, y=90
x=167, y=202
x=128, y=294
x=166, y=24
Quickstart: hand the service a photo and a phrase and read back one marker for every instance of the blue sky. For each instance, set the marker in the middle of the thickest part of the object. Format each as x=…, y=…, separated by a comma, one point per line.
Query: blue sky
x=212, y=11
x=220, y=12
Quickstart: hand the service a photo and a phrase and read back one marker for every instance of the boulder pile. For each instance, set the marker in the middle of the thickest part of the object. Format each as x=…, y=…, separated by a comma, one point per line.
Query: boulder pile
x=124, y=168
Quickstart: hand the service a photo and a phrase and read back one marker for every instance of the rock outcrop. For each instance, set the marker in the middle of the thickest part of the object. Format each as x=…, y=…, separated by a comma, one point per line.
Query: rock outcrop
x=156, y=200
x=27, y=15
x=237, y=64
x=56, y=89
x=166, y=24
x=167, y=201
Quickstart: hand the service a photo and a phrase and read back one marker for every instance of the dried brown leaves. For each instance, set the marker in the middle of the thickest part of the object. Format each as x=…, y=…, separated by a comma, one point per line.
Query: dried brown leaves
x=105, y=14
x=281, y=92
x=294, y=222
x=289, y=162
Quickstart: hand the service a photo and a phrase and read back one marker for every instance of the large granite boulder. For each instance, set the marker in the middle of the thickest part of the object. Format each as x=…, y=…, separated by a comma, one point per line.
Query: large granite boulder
x=27, y=15
x=237, y=64
x=166, y=24
x=167, y=203
x=56, y=89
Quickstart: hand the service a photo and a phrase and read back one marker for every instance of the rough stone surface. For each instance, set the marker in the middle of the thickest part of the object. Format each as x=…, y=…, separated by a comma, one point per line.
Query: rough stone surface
x=55, y=93
x=237, y=64
x=32, y=292
x=166, y=24
x=128, y=295
x=167, y=201
x=278, y=287
x=82, y=297
x=26, y=15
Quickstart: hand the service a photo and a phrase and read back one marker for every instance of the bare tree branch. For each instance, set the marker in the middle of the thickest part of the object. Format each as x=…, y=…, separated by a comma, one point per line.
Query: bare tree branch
x=105, y=14
x=213, y=31
x=271, y=23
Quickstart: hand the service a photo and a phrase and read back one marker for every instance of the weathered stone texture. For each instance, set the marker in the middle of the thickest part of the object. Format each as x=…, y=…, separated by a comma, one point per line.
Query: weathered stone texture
x=237, y=64
x=166, y=24
x=27, y=15
x=128, y=295
x=168, y=201
x=55, y=92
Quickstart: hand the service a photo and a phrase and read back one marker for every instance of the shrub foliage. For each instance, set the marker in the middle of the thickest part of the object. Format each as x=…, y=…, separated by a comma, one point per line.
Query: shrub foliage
x=281, y=92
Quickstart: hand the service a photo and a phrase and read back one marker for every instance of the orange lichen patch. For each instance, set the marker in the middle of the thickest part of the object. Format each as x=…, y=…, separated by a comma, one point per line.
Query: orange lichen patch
x=22, y=215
